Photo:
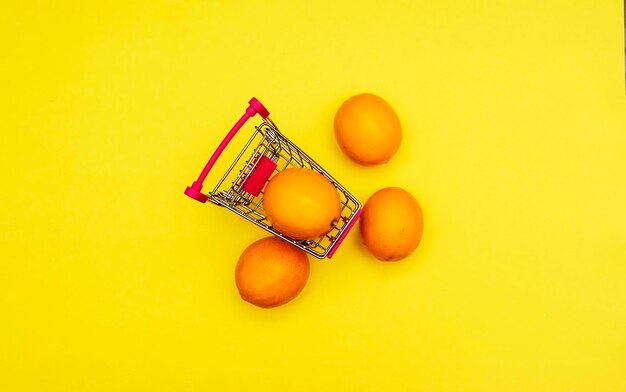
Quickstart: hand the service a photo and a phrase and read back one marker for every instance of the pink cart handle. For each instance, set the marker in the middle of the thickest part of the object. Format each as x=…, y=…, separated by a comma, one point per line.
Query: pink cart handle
x=194, y=191
x=339, y=240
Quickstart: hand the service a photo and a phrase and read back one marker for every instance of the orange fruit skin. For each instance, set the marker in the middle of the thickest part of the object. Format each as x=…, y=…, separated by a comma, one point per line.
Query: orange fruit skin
x=301, y=203
x=367, y=129
x=392, y=224
x=271, y=272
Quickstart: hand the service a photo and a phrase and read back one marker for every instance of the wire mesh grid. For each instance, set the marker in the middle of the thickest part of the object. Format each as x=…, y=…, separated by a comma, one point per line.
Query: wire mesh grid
x=268, y=141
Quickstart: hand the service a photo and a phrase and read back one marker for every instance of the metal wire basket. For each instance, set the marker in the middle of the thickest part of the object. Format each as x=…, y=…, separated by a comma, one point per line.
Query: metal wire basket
x=267, y=152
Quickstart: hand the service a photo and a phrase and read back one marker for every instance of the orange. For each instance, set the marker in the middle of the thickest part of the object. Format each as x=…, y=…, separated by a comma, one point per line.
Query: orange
x=368, y=129
x=271, y=272
x=301, y=203
x=392, y=224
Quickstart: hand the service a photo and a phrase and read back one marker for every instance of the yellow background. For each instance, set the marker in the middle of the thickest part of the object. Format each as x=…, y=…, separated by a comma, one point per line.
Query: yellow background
x=514, y=143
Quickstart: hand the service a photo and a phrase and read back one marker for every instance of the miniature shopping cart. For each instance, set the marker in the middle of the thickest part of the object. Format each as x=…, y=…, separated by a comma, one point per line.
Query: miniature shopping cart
x=268, y=151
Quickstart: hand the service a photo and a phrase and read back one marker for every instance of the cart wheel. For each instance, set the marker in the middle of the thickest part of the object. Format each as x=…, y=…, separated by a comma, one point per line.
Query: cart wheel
x=259, y=108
